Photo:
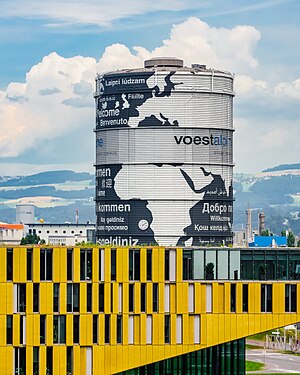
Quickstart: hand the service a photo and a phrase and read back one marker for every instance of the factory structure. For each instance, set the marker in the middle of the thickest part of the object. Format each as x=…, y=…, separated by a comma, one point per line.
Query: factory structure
x=164, y=155
x=160, y=292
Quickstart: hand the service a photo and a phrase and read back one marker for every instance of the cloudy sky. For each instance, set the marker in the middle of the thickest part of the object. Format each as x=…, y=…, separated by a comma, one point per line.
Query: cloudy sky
x=50, y=51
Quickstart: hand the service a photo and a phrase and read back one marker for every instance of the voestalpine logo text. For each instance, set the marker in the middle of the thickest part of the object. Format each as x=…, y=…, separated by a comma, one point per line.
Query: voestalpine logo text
x=211, y=140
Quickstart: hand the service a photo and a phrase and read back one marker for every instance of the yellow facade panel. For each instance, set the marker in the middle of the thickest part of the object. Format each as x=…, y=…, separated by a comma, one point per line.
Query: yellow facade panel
x=62, y=355
x=43, y=298
x=16, y=330
x=63, y=298
x=76, y=264
x=95, y=263
x=82, y=295
x=107, y=264
x=49, y=330
x=36, y=329
x=143, y=260
x=36, y=265
x=120, y=258
x=56, y=265
x=63, y=265
x=3, y=330
x=101, y=329
x=77, y=360
x=3, y=298
x=29, y=298
x=29, y=329
x=83, y=329
x=29, y=360
x=179, y=264
x=9, y=360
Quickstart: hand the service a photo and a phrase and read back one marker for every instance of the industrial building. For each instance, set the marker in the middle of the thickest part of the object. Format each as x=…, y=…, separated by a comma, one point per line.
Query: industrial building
x=164, y=159
x=62, y=233
x=141, y=310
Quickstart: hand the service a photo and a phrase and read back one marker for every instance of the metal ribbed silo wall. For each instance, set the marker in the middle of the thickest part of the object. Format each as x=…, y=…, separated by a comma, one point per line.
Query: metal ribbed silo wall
x=164, y=157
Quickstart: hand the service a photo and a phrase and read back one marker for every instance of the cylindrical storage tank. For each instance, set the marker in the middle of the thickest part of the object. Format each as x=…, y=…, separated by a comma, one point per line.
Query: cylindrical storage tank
x=25, y=213
x=164, y=155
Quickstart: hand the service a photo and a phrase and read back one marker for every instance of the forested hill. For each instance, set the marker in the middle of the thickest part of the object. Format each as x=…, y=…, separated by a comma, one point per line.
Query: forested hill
x=283, y=167
x=53, y=177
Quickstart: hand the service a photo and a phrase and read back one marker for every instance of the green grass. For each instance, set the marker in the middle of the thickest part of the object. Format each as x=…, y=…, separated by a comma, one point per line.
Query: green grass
x=259, y=336
x=276, y=373
x=254, y=366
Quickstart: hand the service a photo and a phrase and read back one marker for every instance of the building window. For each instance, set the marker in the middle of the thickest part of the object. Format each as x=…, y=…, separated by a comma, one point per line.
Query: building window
x=266, y=297
x=42, y=329
x=134, y=264
x=131, y=298
x=70, y=264
x=9, y=264
x=167, y=329
x=196, y=329
x=101, y=264
x=20, y=361
x=55, y=297
x=155, y=297
x=233, y=297
x=46, y=264
x=119, y=329
x=49, y=360
x=179, y=329
x=149, y=264
x=36, y=297
x=85, y=264
x=29, y=264
x=20, y=298
x=290, y=298
x=113, y=262
x=187, y=265
x=101, y=297
x=120, y=297
x=22, y=330
x=130, y=329
x=209, y=298
x=167, y=265
x=76, y=329
x=89, y=297
x=73, y=293
x=143, y=297
x=191, y=298
x=36, y=360
x=95, y=329
x=9, y=329
x=59, y=329
x=245, y=297
x=107, y=329
x=69, y=360
x=149, y=329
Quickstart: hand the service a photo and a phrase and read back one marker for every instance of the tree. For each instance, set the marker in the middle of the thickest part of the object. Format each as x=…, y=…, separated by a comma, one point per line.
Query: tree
x=32, y=239
x=291, y=239
x=265, y=233
x=298, y=243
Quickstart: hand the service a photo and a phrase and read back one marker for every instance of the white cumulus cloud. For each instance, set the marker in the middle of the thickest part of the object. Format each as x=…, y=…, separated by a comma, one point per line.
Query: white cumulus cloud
x=55, y=100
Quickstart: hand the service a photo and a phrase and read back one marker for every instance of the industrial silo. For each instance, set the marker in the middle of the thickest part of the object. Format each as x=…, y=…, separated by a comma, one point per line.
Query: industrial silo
x=25, y=213
x=164, y=155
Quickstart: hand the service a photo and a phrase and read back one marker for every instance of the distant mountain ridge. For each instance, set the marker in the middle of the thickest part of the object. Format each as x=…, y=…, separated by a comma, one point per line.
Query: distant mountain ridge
x=52, y=177
x=282, y=167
